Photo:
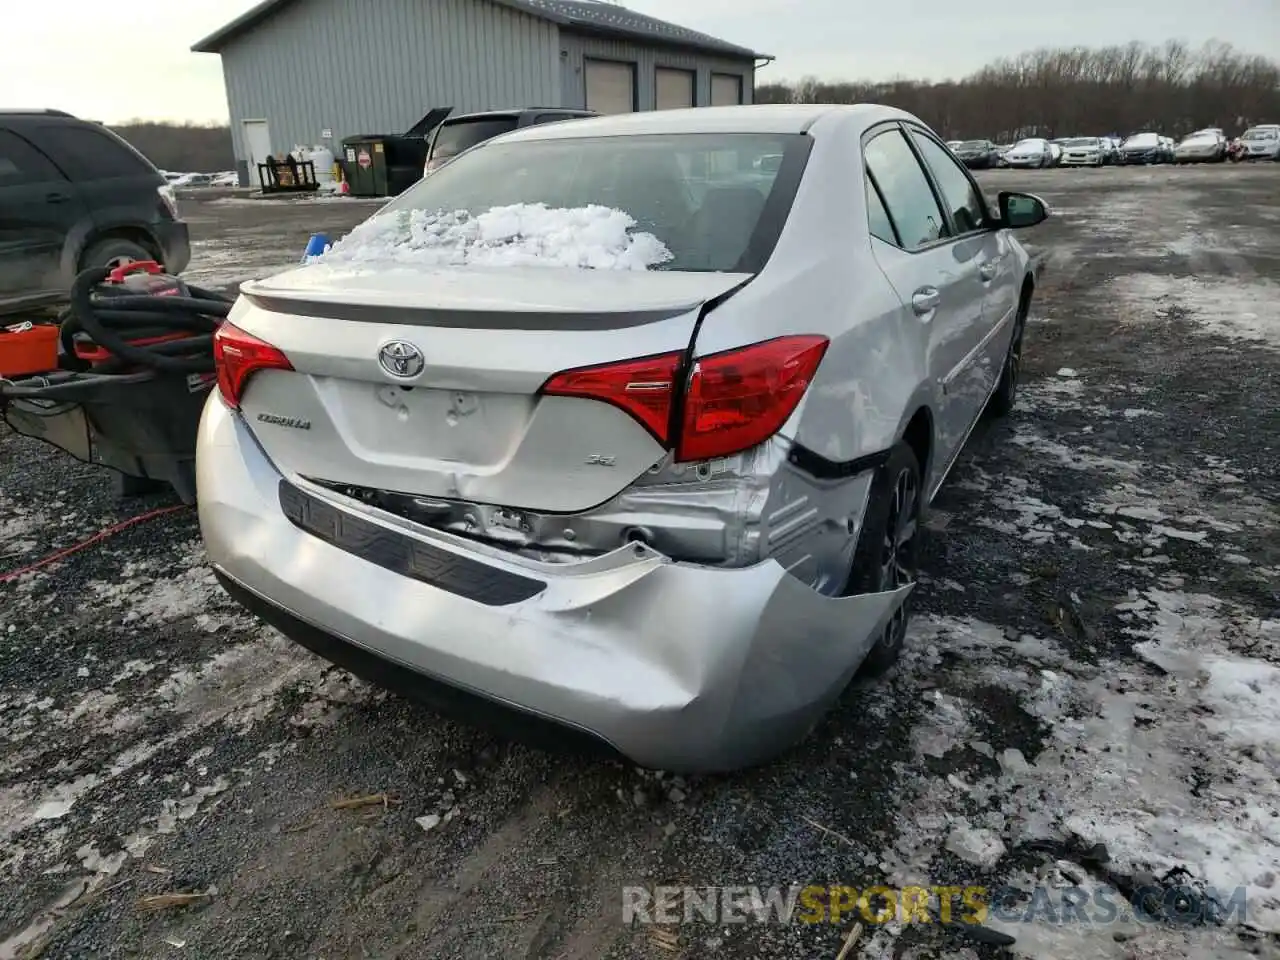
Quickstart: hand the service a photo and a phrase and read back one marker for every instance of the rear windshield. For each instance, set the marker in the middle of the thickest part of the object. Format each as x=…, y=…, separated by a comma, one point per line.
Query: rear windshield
x=453, y=138
x=1260, y=134
x=974, y=145
x=702, y=195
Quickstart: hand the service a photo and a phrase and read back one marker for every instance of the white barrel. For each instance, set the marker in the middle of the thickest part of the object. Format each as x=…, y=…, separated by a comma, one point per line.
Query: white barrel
x=322, y=157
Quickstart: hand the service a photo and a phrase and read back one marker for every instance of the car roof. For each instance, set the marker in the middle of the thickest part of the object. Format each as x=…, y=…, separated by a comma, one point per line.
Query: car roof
x=38, y=112
x=758, y=118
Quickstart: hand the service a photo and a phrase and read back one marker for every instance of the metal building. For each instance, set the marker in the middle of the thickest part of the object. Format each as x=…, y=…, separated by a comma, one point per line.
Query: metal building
x=316, y=71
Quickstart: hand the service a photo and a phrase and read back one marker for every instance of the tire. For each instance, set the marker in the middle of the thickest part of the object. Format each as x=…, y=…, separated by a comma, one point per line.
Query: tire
x=112, y=252
x=1006, y=392
x=887, y=553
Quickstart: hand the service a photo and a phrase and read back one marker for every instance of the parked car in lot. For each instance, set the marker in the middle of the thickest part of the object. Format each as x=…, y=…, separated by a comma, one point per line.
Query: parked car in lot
x=977, y=154
x=1260, y=143
x=1084, y=152
x=464, y=131
x=74, y=195
x=1032, y=152
x=1143, y=148
x=639, y=504
x=1203, y=146
x=194, y=180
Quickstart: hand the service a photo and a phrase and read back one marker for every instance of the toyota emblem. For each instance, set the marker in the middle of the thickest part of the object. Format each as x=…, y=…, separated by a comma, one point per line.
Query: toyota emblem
x=401, y=359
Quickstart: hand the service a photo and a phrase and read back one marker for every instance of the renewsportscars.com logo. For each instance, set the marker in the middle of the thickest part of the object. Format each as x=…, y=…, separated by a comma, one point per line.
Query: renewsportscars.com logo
x=809, y=904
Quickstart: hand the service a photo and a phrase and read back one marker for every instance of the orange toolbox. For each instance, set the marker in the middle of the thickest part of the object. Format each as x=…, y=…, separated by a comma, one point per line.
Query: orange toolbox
x=27, y=348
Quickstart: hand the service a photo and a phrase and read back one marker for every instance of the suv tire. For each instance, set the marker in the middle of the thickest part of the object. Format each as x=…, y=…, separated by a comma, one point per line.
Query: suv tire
x=113, y=252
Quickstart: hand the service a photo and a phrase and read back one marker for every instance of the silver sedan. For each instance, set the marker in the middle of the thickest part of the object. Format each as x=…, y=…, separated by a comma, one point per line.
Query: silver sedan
x=622, y=427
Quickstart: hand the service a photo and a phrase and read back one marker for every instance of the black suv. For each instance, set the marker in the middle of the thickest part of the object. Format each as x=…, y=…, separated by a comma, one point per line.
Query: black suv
x=74, y=195
x=464, y=131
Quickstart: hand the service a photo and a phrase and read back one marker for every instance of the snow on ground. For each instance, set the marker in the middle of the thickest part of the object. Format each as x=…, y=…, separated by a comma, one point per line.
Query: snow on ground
x=1156, y=769
x=1171, y=768
x=1239, y=307
x=592, y=237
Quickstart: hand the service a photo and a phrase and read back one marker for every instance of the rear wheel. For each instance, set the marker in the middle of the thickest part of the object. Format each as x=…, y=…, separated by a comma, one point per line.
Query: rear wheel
x=887, y=555
x=114, y=252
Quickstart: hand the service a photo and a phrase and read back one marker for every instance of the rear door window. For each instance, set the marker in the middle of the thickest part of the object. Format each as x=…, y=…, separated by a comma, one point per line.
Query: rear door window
x=907, y=193
x=86, y=153
x=878, y=216
x=21, y=163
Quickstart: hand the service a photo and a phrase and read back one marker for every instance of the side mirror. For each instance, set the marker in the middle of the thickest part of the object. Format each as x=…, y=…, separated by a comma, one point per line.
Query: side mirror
x=1019, y=210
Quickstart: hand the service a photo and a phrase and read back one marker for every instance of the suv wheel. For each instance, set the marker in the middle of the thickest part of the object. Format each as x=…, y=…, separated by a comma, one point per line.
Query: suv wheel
x=114, y=252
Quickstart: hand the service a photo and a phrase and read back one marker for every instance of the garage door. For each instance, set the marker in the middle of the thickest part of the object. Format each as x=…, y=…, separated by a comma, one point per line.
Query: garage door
x=673, y=89
x=726, y=90
x=611, y=86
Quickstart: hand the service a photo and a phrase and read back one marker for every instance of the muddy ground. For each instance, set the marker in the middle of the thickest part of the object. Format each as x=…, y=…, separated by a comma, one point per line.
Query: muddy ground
x=1091, y=689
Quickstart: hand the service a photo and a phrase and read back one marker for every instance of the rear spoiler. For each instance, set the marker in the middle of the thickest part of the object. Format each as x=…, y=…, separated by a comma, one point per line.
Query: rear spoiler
x=469, y=319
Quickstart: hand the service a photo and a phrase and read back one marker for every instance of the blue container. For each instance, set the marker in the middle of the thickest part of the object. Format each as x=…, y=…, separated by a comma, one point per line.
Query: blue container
x=315, y=246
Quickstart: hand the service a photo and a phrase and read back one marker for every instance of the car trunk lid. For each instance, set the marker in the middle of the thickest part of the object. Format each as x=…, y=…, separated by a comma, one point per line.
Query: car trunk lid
x=462, y=418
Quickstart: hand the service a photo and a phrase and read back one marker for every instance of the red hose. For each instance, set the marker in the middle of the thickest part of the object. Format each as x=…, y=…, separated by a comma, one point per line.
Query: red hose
x=90, y=541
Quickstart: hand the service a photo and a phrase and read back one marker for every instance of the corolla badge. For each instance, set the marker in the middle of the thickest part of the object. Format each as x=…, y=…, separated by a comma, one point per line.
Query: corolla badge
x=401, y=359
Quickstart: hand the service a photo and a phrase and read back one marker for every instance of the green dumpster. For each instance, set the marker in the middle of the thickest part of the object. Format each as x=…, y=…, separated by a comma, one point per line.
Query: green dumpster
x=364, y=165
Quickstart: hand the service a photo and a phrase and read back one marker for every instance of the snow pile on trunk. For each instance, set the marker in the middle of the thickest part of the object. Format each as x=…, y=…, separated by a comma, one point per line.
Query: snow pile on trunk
x=527, y=234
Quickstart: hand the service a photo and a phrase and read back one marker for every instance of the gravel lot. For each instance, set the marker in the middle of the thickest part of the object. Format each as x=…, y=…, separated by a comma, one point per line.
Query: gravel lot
x=1096, y=661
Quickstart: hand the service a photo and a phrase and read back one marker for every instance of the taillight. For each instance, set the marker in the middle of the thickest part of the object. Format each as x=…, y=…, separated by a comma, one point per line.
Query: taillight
x=237, y=356
x=643, y=388
x=733, y=401
x=741, y=398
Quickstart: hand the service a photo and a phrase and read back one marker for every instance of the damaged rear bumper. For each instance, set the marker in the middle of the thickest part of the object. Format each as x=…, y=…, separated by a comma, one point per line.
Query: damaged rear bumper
x=683, y=667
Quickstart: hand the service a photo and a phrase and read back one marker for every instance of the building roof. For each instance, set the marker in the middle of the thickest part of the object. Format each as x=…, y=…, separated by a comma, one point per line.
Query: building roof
x=587, y=16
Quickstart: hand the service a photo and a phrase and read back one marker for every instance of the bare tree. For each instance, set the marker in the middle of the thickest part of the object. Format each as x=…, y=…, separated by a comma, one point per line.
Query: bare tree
x=186, y=148
x=1168, y=88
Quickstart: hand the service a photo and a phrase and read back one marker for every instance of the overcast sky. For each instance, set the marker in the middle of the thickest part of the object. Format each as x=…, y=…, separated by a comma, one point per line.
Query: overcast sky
x=82, y=56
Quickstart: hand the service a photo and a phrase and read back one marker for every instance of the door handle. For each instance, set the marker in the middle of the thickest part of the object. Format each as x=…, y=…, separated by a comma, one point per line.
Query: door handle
x=57, y=197
x=989, y=270
x=925, y=300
